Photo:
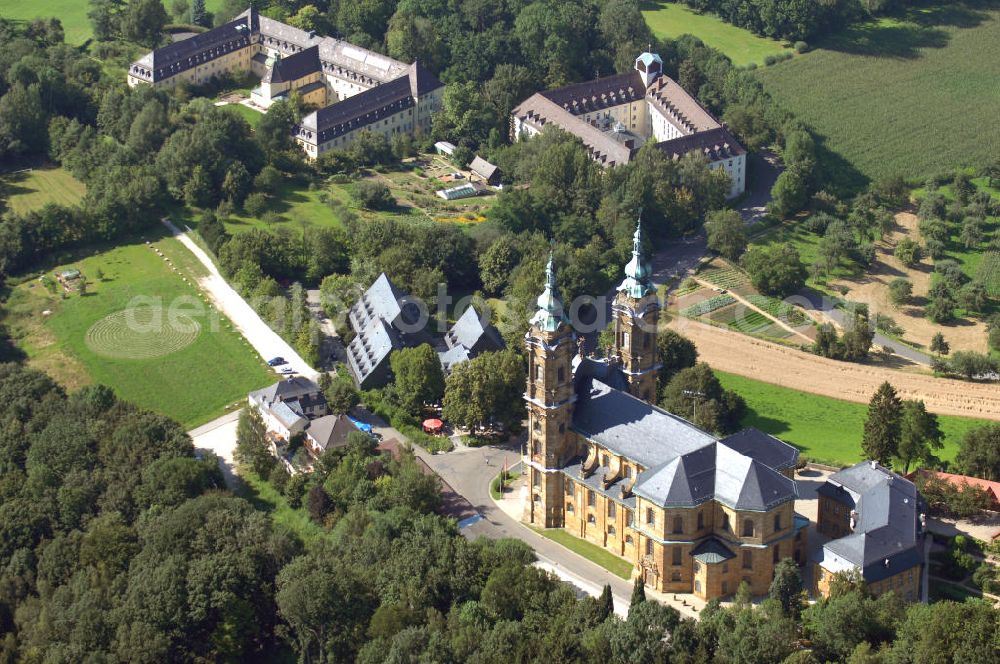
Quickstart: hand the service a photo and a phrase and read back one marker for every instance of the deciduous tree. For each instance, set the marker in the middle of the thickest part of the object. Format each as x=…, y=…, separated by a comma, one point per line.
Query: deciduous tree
x=919, y=435
x=418, y=377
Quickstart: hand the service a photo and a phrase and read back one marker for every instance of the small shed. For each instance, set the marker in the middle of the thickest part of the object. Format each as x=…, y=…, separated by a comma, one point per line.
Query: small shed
x=484, y=170
x=444, y=147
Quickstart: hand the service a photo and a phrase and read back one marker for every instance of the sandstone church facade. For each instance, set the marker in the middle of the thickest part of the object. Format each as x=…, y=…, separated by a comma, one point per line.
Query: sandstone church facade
x=693, y=513
x=352, y=87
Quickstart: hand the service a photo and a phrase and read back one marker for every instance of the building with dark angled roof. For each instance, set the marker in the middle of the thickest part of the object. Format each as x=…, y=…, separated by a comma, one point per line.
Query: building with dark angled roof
x=468, y=337
x=876, y=522
x=693, y=513
x=322, y=70
x=615, y=116
x=384, y=319
x=404, y=105
x=288, y=405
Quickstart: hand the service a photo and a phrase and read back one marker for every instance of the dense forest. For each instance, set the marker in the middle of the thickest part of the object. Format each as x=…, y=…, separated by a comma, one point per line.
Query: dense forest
x=118, y=544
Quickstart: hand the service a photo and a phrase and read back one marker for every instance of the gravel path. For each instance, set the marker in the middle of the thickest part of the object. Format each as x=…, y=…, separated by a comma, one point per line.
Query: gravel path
x=265, y=341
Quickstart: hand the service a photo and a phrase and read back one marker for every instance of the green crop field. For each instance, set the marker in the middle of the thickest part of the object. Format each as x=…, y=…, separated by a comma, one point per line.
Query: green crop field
x=826, y=430
x=188, y=371
x=31, y=189
x=668, y=19
x=912, y=96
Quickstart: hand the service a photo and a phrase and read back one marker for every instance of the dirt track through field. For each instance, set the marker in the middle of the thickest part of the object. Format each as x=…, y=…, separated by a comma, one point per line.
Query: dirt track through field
x=798, y=370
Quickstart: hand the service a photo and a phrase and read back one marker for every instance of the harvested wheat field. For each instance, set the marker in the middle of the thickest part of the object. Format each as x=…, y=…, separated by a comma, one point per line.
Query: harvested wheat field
x=873, y=289
x=798, y=370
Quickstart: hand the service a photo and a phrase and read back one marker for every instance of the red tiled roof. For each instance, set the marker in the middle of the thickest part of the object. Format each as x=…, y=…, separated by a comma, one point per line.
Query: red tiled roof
x=992, y=488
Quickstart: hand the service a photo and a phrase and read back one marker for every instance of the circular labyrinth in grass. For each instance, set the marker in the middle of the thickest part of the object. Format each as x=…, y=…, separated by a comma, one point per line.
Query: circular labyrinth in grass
x=141, y=333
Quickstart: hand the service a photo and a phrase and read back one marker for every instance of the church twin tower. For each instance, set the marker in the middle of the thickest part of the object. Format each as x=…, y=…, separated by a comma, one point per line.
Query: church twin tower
x=551, y=343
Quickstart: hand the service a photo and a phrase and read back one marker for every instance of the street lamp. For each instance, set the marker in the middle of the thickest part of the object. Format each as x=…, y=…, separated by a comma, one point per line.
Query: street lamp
x=695, y=397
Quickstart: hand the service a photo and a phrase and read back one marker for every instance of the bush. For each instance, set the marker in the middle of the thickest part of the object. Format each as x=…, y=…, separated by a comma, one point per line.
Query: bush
x=907, y=252
x=801, y=47
x=374, y=195
x=770, y=60
x=900, y=291
x=888, y=325
x=255, y=204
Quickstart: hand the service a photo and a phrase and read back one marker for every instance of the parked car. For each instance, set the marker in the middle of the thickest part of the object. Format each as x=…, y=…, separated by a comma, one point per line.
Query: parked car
x=286, y=371
x=276, y=361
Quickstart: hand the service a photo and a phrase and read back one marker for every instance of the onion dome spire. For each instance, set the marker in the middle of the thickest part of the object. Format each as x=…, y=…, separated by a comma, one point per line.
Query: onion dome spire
x=638, y=272
x=550, y=314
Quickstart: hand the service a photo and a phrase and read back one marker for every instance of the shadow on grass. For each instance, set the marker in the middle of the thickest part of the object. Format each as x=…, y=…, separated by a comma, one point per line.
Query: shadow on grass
x=837, y=175
x=903, y=35
x=766, y=424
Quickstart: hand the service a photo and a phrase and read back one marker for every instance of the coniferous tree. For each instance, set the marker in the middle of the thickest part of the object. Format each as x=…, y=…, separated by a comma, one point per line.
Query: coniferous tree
x=638, y=593
x=605, y=604
x=882, y=428
x=198, y=14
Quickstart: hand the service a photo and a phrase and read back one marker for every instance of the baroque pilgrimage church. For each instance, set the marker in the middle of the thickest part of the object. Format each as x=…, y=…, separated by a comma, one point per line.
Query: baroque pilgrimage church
x=352, y=87
x=693, y=513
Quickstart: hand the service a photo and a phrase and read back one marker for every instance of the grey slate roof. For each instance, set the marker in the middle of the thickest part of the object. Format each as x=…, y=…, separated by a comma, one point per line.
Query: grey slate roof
x=716, y=144
x=715, y=472
x=200, y=48
x=712, y=551
x=470, y=332
x=685, y=466
x=369, y=350
x=887, y=537
x=483, y=168
x=286, y=414
x=589, y=96
x=330, y=431
x=357, y=111
x=763, y=447
x=295, y=387
x=632, y=428
x=453, y=356
x=422, y=81
x=295, y=66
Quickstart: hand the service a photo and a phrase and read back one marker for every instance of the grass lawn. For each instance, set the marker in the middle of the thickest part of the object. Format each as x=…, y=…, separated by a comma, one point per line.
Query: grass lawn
x=911, y=96
x=266, y=498
x=826, y=430
x=29, y=190
x=495, y=484
x=72, y=13
x=591, y=552
x=250, y=115
x=673, y=19
x=193, y=384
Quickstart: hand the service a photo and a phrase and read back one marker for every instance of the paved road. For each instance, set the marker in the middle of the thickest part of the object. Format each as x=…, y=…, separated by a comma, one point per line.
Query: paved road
x=824, y=305
x=265, y=341
x=219, y=438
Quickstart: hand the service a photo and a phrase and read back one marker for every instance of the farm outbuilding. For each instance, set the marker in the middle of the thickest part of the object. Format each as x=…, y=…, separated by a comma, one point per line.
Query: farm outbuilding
x=444, y=147
x=484, y=170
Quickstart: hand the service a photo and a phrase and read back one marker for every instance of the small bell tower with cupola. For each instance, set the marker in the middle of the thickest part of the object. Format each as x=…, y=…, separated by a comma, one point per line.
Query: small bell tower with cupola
x=636, y=314
x=551, y=345
x=650, y=66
